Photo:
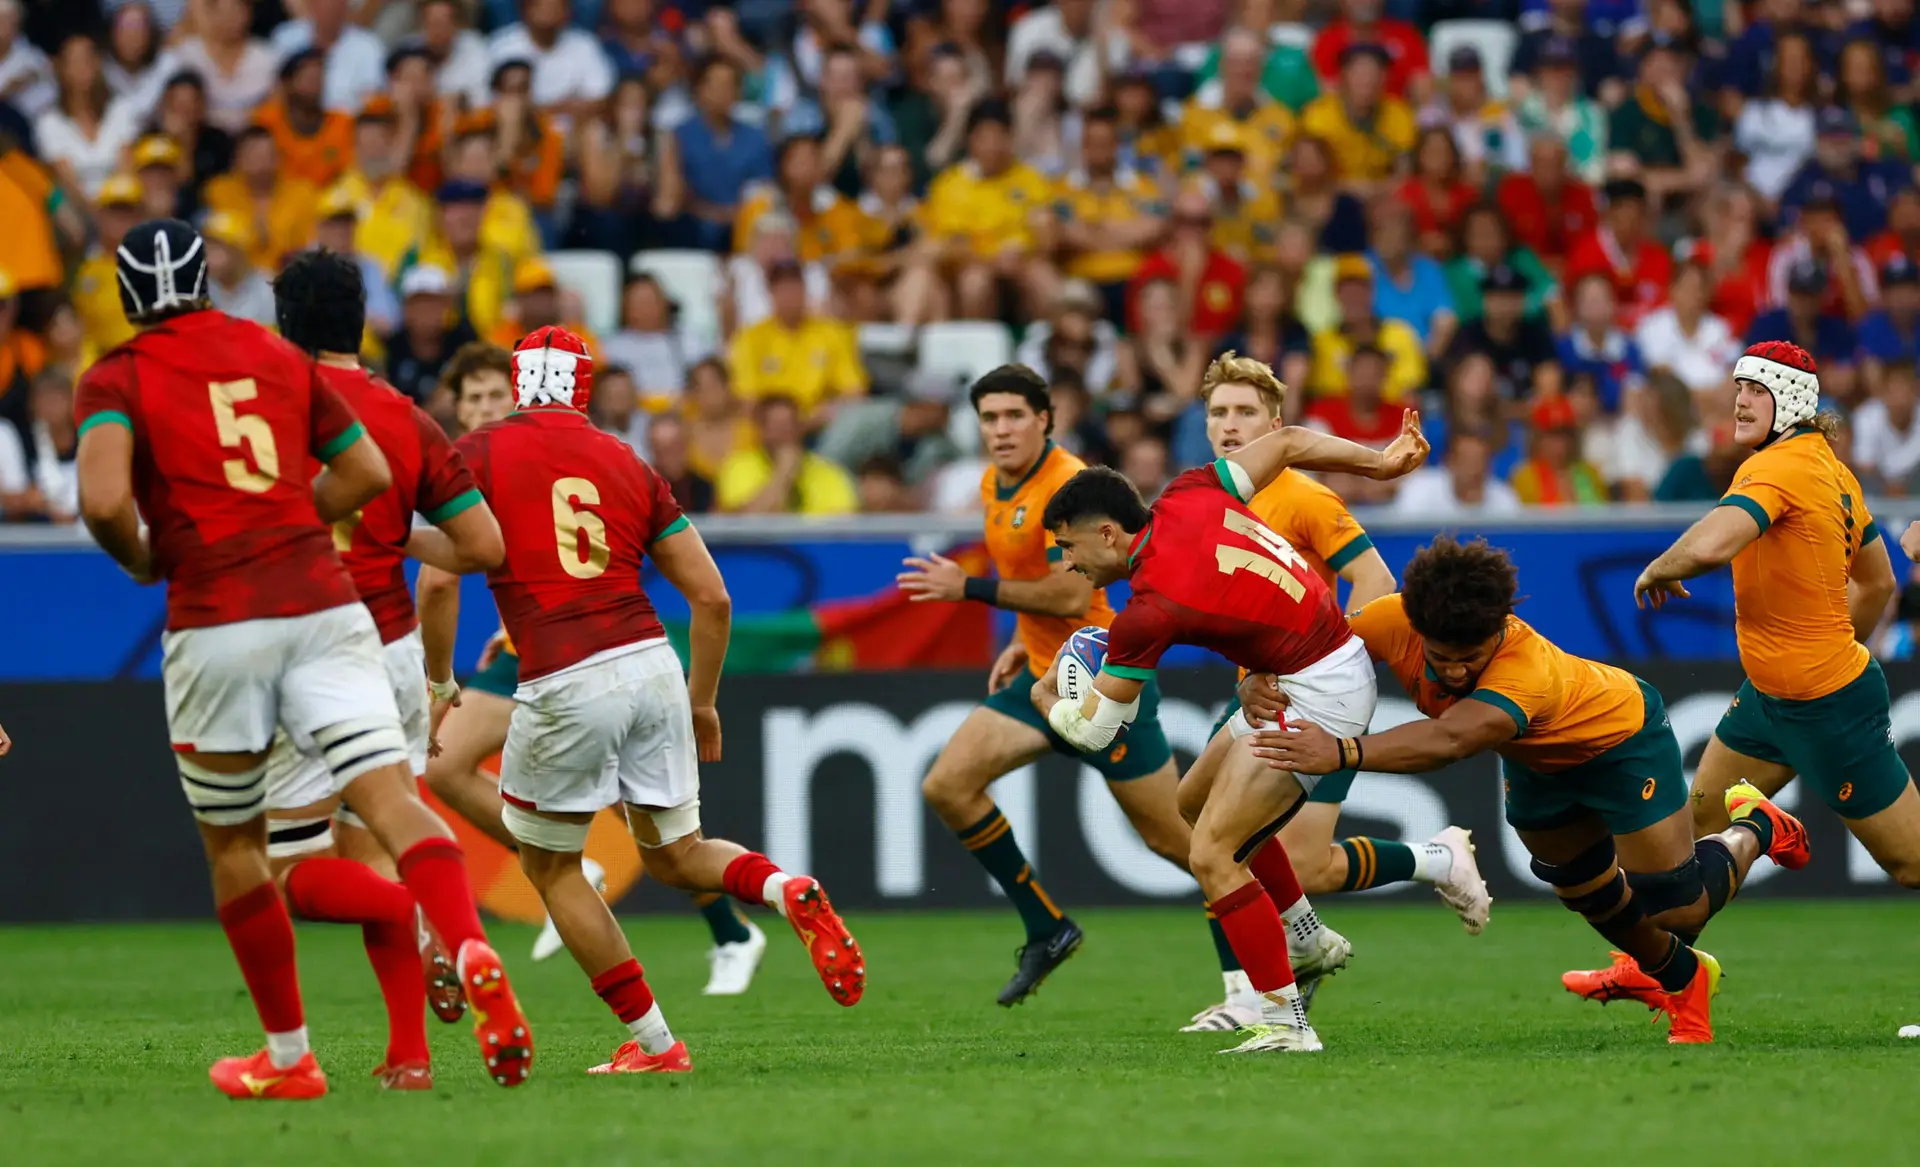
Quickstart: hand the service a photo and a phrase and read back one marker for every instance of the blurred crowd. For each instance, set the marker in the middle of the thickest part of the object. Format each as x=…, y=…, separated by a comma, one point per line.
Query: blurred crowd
x=1550, y=224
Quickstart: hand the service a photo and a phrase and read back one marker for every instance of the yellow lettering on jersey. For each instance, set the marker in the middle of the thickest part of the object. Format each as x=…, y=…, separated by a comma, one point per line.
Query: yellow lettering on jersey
x=569, y=523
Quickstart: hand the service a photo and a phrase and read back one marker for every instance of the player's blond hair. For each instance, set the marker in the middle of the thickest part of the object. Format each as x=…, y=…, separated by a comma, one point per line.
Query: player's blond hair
x=1230, y=368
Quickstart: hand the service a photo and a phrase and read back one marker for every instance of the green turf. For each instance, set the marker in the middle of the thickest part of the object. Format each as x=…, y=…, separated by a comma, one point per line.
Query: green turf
x=1441, y=1049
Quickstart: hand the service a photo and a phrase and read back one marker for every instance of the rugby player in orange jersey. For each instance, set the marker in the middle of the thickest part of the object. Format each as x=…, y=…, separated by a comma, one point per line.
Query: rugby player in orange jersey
x=1811, y=581
x=1594, y=782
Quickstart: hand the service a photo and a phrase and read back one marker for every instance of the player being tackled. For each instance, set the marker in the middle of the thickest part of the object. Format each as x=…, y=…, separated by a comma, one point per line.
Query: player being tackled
x=603, y=714
x=1205, y=571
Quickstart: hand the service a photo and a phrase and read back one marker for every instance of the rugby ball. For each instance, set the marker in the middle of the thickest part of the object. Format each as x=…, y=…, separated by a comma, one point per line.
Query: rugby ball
x=1080, y=660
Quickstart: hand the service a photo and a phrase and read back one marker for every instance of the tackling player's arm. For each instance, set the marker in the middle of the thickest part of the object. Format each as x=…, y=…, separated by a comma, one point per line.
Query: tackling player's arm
x=105, y=469
x=682, y=557
x=1304, y=449
x=1870, y=584
x=1060, y=592
x=1469, y=727
x=355, y=471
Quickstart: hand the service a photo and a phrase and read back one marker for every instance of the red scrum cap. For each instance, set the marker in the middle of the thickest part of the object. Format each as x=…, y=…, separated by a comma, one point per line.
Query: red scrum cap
x=552, y=366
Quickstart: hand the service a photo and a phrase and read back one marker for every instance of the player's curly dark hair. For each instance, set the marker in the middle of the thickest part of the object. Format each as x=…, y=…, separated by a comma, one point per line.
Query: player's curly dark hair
x=1021, y=382
x=1459, y=594
x=320, y=302
x=1098, y=492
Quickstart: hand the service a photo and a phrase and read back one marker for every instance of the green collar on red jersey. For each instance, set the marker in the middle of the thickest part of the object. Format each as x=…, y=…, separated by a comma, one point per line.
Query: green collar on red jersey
x=1138, y=545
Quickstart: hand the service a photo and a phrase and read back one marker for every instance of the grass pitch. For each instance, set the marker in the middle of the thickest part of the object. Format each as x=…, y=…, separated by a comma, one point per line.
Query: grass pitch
x=1441, y=1049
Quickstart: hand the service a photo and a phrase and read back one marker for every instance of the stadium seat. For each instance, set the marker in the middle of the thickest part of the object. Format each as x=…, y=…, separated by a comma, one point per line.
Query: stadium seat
x=692, y=281
x=595, y=277
x=1495, y=40
x=965, y=348
x=886, y=340
x=1297, y=36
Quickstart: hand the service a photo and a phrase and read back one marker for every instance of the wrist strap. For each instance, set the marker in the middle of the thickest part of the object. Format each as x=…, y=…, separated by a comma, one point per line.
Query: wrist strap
x=445, y=690
x=985, y=589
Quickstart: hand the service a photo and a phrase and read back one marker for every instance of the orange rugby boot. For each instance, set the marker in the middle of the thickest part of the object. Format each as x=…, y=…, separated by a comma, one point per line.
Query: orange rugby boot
x=1621, y=981
x=631, y=1059
x=506, y=1040
x=257, y=1077
x=835, y=955
x=444, y=997
x=1689, y=1008
x=405, y=1076
x=1790, y=849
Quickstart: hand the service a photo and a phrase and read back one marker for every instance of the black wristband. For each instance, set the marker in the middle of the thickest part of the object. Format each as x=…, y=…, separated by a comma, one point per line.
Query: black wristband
x=1359, y=754
x=984, y=588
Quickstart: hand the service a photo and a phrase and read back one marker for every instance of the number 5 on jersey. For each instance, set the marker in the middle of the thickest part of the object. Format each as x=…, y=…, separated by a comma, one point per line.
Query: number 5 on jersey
x=581, y=535
x=240, y=429
x=1231, y=559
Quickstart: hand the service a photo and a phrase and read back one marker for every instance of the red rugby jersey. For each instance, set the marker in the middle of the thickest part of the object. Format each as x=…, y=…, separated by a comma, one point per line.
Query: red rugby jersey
x=577, y=510
x=429, y=477
x=1207, y=572
x=225, y=418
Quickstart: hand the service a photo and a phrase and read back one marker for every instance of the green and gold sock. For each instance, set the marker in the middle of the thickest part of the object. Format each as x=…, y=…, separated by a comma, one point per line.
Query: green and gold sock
x=1374, y=862
x=992, y=843
x=725, y=921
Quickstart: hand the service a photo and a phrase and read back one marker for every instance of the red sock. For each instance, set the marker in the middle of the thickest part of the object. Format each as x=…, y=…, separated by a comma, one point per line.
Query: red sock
x=261, y=934
x=1253, y=928
x=746, y=878
x=1275, y=872
x=433, y=871
x=624, y=988
x=341, y=891
x=393, y=949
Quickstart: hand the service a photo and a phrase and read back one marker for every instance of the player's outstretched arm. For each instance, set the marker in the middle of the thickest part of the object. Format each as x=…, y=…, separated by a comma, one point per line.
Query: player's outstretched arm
x=1264, y=458
x=467, y=542
x=1870, y=588
x=353, y=478
x=1709, y=544
x=684, y=560
x=1466, y=729
x=934, y=577
x=105, y=465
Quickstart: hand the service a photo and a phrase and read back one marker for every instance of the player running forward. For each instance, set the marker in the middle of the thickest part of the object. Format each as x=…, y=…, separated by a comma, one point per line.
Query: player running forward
x=1205, y=571
x=1243, y=400
x=1594, y=781
x=204, y=425
x=1004, y=733
x=1811, y=579
x=321, y=307
x=479, y=377
x=602, y=714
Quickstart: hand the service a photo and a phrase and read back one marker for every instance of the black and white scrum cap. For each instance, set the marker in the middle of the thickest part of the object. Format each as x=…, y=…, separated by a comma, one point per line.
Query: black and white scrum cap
x=162, y=265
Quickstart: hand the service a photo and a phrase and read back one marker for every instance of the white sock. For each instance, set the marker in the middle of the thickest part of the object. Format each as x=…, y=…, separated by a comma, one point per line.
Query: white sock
x=650, y=1030
x=771, y=892
x=1240, y=989
x=1432, y=862
x=1302, y=924
x=1283, y=1006
x=285, y=1050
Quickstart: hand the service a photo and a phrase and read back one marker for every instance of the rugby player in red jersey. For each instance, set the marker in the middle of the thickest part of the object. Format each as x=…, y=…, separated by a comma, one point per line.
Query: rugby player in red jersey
x=204, y=425
x=602, y=713
x=1205, y=571
x=321, y=307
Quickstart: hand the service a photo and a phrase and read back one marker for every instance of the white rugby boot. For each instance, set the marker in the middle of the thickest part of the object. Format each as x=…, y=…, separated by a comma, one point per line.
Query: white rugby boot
x=1240, y=1009
x=730, y=967
x=1463, y=889
x=1321, y=955
x=1283, y=1027
x=549, y=942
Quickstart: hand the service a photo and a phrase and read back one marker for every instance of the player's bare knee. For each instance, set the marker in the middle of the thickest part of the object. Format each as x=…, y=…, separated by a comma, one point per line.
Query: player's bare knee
x=1906, y=873
x=1212, y=864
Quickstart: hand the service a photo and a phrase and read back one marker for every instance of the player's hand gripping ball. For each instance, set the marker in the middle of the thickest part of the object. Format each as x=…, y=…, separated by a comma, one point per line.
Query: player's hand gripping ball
x=1080, y=660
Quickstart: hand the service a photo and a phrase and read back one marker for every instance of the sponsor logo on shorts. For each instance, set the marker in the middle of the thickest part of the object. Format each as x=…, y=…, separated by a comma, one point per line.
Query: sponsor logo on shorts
x=1846, y=791
x=1646, y=792
x=1118, y=755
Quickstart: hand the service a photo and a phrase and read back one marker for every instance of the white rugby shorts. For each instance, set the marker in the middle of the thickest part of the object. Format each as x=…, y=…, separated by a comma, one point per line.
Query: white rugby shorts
x=1338, y=693
x=230, y=686
x=297, y=778
x=617, y=727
